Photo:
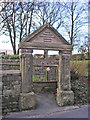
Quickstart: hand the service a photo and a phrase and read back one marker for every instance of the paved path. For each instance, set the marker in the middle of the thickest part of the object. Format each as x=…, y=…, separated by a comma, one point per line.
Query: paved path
x=47, y=108
x=81, y=112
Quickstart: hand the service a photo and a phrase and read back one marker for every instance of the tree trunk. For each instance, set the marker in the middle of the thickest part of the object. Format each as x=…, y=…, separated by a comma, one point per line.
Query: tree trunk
x=31, y=18
x=14, y=50
x=18, y=52
x=72, y=24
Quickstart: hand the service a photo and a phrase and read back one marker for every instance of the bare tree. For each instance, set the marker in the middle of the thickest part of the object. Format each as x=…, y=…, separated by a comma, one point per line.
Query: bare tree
x=76, y=18
x=70, y=15
x=48, y=12
x=8, y=23
x=16, y=19
x=85, y=47
x=19, y=19
x=25, y=19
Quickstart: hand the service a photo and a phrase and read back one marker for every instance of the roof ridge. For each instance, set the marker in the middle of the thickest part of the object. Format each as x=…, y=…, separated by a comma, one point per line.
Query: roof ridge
x=25, y=39
x=30, y=36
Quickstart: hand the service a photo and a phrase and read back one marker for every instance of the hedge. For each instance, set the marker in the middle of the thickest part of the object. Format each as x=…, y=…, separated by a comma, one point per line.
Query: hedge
x=10, y=56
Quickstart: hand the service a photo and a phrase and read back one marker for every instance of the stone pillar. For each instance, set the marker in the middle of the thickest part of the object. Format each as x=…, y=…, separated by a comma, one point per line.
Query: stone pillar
x=64, y=94
x=45, y=53
x=26, y=70
x=20, y=63
x=27, y=97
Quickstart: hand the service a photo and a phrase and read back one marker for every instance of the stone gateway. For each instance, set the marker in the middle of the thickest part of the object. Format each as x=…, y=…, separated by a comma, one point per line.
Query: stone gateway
x=45, y=38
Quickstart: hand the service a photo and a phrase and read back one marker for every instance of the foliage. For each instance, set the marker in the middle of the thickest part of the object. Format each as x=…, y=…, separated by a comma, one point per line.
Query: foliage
x=84, y=56
x=79, y=80
x=80, y=89
x=14, y=56
x=79, y=68
x=10, y=56
x=35, y=57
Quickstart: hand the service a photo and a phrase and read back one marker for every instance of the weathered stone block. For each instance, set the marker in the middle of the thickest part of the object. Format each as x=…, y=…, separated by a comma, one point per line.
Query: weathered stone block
x=8, y=92
x=17, y=89
x=65, y=97
x=27, y=101
x=37, y=88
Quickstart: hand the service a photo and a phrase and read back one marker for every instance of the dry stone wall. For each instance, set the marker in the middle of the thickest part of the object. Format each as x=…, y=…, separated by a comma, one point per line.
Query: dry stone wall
x=10, y=64
x=11, y=82
x=39, y=67
x=10, y=92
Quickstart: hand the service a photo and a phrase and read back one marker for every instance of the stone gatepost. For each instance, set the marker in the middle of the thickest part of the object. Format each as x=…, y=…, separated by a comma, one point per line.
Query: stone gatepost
x=64, y=94
x=27, y=97
x=45, y=53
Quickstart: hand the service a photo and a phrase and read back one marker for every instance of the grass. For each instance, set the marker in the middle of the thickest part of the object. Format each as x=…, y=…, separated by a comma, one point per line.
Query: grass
x=80, y=67
x=10, y=56
x=40, y=78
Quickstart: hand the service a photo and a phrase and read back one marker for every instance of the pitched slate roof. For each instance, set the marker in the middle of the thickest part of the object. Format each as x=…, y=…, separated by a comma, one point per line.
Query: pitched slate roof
x=36, y=32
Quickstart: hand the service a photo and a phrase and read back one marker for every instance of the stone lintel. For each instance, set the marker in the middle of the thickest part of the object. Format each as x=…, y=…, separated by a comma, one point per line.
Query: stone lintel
x=68, y=52
x=26, y=55
x=27, y=101
x=45, y=46
x=26, y=51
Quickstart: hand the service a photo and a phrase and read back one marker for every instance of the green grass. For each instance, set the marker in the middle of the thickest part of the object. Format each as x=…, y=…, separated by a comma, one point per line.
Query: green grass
x=14, y=57
x=10, y=56
x=40, y=78
x=80, y=67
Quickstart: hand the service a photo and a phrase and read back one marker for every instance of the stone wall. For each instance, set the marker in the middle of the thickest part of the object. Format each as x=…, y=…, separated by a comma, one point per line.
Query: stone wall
x=12, y=82
x=39, y=67
x=45, y=86
x=10, y=64
x=39, y=72
x=10, y=92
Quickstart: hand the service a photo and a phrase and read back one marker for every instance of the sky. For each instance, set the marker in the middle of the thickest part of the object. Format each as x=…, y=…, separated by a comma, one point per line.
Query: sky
x=5, y=43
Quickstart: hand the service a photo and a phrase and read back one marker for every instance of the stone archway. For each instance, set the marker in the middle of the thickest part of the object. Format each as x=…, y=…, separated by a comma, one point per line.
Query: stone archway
x=46, y=38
